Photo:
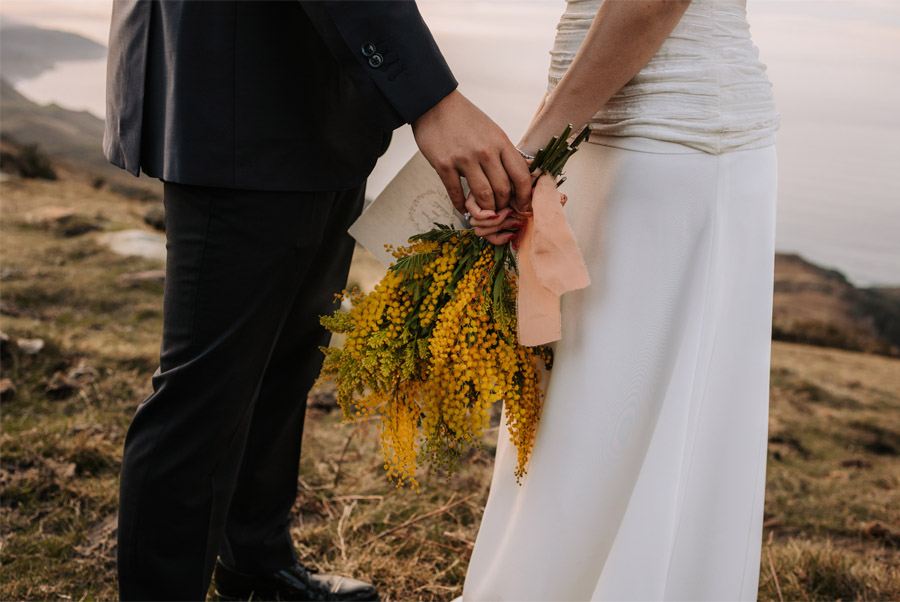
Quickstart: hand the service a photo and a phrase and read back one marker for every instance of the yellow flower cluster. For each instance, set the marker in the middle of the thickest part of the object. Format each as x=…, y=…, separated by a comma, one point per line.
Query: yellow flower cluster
x=433, y=348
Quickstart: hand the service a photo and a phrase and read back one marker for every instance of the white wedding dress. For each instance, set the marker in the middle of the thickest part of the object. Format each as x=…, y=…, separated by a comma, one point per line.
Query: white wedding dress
x=648, y=473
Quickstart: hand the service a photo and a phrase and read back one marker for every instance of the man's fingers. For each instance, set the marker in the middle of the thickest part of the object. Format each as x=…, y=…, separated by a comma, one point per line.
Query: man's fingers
x=517, y=170
x=500, y=183
x=450, y=178
x=479, y=186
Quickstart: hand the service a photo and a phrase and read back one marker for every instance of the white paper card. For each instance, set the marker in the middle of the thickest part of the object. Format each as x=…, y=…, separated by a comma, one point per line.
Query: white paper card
x=410, y=204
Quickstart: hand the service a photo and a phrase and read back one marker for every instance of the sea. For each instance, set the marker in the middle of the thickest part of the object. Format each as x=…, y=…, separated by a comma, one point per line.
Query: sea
x=834, y=65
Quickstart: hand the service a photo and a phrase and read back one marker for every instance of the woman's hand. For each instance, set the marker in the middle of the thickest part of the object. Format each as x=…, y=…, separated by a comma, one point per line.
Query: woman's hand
x=497, y=227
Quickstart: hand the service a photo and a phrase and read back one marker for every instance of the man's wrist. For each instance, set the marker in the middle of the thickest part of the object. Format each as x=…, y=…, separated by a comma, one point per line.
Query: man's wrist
x=448, y=98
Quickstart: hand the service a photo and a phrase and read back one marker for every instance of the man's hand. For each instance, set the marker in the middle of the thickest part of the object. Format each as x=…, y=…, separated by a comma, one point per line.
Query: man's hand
x=461, y=141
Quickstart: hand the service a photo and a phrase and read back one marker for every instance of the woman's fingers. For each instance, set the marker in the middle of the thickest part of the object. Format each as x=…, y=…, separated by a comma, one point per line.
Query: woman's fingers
x=490, y=222
x=510, y=223
x=499, y=227
x=507, y=222
x=476, y=211
x=487, y=224
x=501, y=238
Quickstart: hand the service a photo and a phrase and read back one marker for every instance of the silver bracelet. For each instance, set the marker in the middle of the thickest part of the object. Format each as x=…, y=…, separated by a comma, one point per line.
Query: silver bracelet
x=524, y=154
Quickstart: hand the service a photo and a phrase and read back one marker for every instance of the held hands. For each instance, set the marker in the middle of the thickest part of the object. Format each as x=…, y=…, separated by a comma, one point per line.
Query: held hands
x=461, y=141
x=547, y=166
x=498, y=227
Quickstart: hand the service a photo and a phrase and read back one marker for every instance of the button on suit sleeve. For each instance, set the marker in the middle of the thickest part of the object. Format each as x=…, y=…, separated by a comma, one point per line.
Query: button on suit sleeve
x=394, y=46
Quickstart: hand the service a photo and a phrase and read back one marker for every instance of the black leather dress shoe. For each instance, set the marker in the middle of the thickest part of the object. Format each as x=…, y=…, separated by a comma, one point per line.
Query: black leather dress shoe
x=293, y=583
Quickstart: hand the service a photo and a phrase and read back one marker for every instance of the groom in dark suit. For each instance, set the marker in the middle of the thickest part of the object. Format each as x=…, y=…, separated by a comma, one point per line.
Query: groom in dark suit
x=264, y=120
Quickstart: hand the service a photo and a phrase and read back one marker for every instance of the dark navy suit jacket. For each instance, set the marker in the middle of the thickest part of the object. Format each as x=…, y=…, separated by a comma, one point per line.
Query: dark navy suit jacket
x=265, y=95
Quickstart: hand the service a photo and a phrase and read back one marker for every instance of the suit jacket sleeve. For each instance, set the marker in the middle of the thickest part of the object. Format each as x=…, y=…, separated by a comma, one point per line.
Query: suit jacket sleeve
x=392, y=44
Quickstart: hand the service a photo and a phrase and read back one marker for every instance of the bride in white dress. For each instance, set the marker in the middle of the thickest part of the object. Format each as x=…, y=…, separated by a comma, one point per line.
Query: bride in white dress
x=647, y=476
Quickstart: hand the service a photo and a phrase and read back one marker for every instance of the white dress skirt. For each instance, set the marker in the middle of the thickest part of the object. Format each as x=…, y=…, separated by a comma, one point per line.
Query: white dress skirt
x=647, y=478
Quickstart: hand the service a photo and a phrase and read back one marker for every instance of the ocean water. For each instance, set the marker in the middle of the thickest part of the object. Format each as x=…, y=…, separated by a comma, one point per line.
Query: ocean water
x=835, y=68
x=72, y=84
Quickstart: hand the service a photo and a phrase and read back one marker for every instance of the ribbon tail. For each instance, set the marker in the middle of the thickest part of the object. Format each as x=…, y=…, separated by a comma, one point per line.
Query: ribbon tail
x=537, y=307
x=558, y=260
x=550, y=264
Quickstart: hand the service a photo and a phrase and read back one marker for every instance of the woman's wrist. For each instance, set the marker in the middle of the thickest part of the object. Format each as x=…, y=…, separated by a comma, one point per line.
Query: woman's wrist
x=548, y=123
x=538, y=136
x=529, y=145
x=526, y=155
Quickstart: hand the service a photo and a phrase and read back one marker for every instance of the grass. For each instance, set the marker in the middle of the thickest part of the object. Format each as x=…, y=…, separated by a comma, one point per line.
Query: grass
x=832, y=504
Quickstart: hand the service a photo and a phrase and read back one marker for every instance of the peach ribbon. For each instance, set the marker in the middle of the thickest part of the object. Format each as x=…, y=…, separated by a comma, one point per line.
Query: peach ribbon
x=550, y=264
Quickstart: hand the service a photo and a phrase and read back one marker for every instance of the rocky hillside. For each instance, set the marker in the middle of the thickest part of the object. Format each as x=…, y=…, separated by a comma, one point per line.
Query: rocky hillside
x=72, y=138
x=819, y=306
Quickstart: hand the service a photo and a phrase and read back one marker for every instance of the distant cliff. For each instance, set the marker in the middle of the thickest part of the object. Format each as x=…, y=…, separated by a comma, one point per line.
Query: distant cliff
x=819, y=306
x=27, y=51
x=61, y=132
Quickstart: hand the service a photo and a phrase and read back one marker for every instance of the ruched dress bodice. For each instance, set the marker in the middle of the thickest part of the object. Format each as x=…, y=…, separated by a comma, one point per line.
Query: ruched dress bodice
x=705, y=88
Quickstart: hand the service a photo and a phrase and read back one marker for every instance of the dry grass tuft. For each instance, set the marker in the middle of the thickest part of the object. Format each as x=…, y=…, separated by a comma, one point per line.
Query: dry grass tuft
x=803, y=569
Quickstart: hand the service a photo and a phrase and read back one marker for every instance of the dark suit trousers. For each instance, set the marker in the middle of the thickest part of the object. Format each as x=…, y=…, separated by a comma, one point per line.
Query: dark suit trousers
x=211, y=457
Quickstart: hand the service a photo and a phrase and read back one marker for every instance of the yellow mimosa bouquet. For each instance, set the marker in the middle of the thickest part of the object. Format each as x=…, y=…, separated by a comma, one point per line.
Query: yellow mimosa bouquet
x=435, y=345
